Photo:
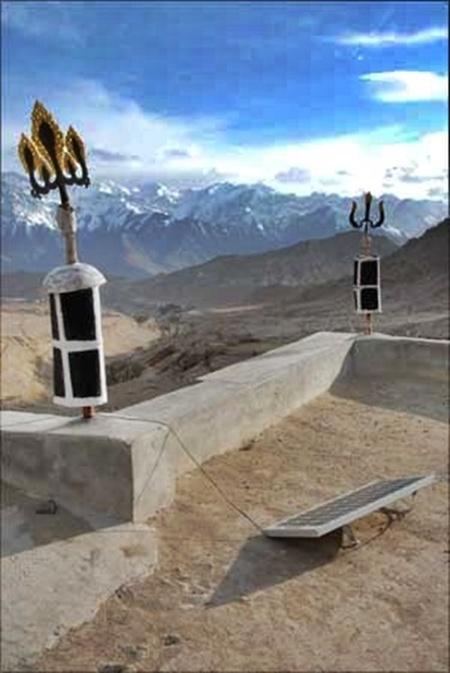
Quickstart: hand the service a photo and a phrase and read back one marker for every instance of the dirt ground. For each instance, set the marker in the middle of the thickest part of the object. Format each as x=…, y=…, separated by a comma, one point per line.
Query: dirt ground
x=155, y=356
x=26, y=370
x=225, y=598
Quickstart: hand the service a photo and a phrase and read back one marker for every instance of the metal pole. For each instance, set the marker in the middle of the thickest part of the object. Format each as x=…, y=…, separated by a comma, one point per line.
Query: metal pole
x=366, y=243
x=65, y=218
x=66, y=221
x=366, y=250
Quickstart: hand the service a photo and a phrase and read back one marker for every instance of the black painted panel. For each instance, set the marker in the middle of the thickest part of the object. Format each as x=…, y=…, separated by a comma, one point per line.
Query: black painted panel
x=58, y=376
x=369, y=299
x=355, y=272
x=78, y=315
x=85, y=373
x=369, y=272
x=53, y=318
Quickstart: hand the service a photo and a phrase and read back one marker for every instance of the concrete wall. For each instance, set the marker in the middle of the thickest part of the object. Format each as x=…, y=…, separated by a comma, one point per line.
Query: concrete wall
x=381, y=355
x=125, y=464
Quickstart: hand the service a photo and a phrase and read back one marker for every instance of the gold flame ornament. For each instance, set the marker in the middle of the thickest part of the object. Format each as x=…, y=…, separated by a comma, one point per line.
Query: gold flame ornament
x=56, y=159
x=46, y=134
x=75, y=144
x=30, y=157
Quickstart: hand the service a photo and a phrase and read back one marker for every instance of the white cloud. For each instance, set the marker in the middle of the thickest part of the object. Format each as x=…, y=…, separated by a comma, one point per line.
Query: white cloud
x=46, y=19
x=140, y=144
x=347, y=164
x=405, y=86
x=391, y=38
x=116, y=125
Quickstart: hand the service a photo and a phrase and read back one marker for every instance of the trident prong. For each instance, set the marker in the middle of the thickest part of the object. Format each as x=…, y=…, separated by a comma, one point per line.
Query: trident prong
x=366, y=222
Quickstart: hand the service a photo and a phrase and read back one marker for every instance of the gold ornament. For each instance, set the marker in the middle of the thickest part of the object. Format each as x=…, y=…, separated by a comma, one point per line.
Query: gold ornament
x=39, y=162
x=75, y=142
x=43, y=120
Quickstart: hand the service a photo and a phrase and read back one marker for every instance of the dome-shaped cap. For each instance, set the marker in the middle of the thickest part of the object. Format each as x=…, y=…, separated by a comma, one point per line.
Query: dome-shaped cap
x=72, y=277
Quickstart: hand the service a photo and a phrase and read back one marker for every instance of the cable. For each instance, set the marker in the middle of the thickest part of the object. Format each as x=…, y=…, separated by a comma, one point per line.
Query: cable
x=183, y=446
x=240, y=511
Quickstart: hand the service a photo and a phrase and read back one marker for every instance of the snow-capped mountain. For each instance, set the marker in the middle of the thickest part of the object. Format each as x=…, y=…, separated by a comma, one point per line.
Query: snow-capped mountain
x=148, y=228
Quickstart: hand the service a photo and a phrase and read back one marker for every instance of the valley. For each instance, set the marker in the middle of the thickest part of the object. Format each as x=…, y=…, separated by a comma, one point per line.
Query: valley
x=227, y=311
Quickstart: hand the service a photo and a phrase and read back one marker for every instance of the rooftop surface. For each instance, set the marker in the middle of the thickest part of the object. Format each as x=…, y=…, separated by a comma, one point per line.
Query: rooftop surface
x=225, y=598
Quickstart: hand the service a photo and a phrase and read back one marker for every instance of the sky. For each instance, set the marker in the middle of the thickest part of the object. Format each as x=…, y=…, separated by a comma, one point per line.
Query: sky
x=339, y=97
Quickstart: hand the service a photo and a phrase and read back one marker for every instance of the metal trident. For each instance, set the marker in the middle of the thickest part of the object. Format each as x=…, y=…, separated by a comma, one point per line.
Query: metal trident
x=366, y=222
x=50, y=158
x=55, y=161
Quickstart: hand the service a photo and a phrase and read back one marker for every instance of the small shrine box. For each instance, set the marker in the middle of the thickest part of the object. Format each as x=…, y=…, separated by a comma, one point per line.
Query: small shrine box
x=366, y=284
x=79, y=377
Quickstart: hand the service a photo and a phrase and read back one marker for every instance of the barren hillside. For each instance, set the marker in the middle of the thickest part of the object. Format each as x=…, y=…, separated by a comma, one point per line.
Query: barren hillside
x=232, y=279
x=193, y=342
x=26, y=348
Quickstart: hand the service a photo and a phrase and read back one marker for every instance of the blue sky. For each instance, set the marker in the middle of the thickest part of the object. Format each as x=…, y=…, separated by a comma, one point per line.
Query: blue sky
x=329, y=96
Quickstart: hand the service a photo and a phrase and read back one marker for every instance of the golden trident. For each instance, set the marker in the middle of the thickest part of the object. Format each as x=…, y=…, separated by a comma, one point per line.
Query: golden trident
x=54, y=161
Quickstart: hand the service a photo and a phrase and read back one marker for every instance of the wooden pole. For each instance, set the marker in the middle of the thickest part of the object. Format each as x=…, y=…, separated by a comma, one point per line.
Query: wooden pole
x=66, y=221
x=88, y=412
x=366, y=250
x=368, y=324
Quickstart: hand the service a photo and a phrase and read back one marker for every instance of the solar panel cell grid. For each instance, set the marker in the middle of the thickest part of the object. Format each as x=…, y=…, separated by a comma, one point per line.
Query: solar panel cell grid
x=340, y=506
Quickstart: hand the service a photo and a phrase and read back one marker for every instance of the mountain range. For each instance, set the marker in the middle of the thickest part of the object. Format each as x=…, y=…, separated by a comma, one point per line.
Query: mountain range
x=146, y=229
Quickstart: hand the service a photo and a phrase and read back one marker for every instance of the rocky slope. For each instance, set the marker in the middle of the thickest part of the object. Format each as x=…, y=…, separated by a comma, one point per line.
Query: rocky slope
x=232, y=279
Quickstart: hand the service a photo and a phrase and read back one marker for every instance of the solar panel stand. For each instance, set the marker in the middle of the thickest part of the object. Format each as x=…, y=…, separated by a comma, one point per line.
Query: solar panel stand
x=348, y=537
x=394, y=514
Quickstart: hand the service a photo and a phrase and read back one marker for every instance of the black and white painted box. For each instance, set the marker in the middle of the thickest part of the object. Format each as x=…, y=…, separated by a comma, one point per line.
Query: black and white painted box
x=79, y=377
x=366, y=284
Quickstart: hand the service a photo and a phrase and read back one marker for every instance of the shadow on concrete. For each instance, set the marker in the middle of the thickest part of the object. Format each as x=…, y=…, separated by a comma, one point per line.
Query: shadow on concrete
x=22, y=528
x=420, y=397
x=264, y=562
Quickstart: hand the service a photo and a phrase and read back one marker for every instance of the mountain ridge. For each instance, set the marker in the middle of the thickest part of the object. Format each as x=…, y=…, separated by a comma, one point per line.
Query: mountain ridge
x=143, y=230
x=233, y=279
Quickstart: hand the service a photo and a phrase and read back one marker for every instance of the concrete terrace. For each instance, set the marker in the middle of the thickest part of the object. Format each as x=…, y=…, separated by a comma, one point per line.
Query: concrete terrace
x=353, y=409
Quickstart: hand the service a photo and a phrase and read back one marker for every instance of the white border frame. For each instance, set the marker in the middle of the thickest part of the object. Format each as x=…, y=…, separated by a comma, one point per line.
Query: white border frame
x=358, y=290
x=358, y=287
x=66, y=346
x=365, y=258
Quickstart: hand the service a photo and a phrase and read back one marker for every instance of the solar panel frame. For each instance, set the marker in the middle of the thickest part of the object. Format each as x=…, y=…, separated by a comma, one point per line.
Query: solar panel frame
x=283, y=529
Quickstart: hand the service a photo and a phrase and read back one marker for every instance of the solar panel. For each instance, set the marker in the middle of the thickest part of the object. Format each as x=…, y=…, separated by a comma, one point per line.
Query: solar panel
x=346, y=508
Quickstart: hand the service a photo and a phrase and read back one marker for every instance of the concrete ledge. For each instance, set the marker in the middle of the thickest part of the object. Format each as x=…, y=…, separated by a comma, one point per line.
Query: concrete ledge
x=87, y=466
x=124, y=465
x=382, y=355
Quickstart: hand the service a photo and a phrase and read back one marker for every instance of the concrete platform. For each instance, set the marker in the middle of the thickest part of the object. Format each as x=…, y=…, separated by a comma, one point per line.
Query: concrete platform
x=110, y=474
x=58, y=569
